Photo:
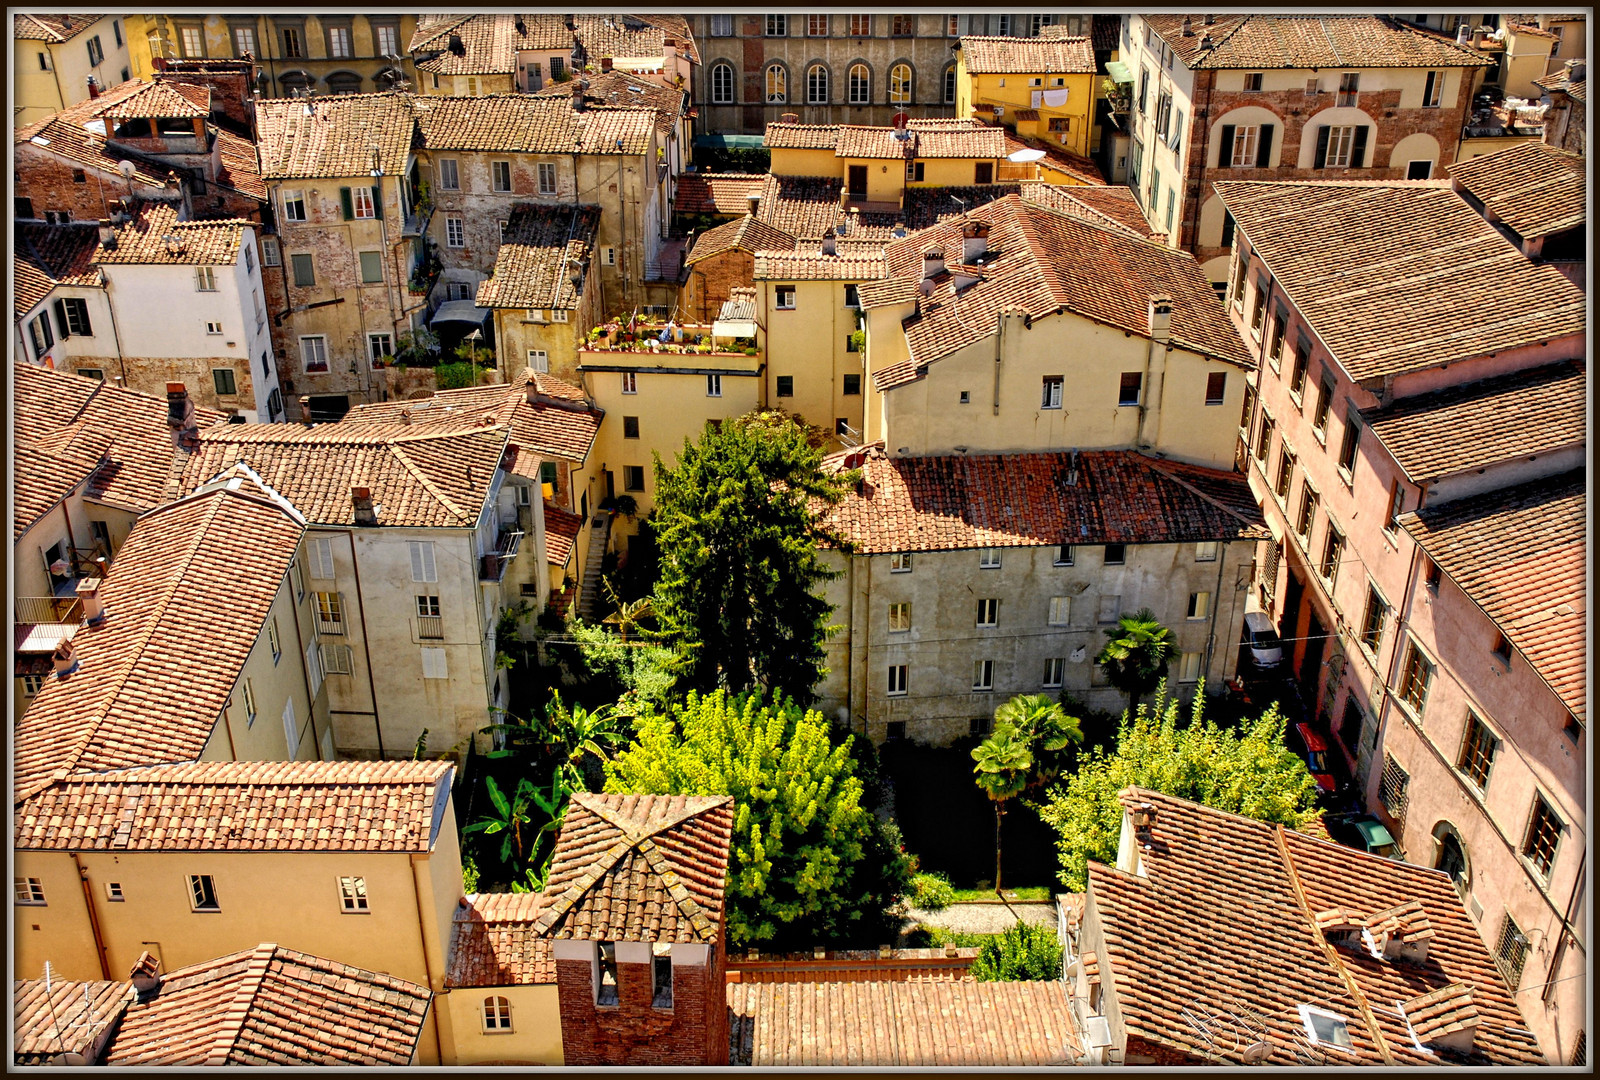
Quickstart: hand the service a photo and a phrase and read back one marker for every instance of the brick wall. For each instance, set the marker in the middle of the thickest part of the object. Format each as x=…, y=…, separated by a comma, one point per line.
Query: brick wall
x=693, y=1032
x=47, y=181
x=1144, y=1052
x=706, y=287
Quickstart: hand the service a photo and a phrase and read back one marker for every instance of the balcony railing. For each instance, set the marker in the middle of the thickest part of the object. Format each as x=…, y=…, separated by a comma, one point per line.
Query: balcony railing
x=416, y=222
x=430, y=628
x=493, y=565
x=330, y=626
x=32, y=610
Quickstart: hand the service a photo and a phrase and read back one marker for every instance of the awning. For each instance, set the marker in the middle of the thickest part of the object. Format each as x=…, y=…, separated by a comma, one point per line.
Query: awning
x=461, y=311
x=748, y=142
x=1119, y=71
x=733, y=328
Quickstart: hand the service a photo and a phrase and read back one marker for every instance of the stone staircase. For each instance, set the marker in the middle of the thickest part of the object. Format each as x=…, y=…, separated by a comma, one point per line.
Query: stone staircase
x=589, y=594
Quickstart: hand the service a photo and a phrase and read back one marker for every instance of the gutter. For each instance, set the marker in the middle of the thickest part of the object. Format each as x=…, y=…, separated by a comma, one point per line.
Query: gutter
x=94, y=919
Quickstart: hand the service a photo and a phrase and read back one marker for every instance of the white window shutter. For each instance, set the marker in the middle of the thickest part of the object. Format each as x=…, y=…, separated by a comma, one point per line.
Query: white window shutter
x=434, y=664
x=314, y=667
x=322, y=559
x=422, y=567
x=291, y=729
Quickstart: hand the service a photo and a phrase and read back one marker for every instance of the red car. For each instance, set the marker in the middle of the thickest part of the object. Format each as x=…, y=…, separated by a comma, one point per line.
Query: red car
x=1315, y=751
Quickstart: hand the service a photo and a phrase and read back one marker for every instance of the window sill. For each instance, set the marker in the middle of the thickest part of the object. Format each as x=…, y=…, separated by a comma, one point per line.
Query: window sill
x=1321, y=435
x=1348, y=478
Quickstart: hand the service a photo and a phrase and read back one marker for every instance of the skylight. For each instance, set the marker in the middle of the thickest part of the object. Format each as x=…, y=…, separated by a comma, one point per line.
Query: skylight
x=1324, y=1028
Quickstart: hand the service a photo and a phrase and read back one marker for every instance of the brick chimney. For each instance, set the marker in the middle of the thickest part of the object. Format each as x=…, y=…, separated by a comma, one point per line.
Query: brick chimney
x=88, y=590
x=180, y=411
x=63, y=660
x=94, y=87
x=932, y=263
x=146, y=976
x=1188, y=26
x=361, y=502
x=605, y=63
x=974, y=242
x=790, y=118
x=1160, y=316
x=305, y=410
x=108, y=235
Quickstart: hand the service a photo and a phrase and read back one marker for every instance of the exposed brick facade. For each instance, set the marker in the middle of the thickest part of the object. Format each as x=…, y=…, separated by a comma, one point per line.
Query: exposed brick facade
x=232, y=84
x=46, y=180
x=709, y=282
x=635, y=1033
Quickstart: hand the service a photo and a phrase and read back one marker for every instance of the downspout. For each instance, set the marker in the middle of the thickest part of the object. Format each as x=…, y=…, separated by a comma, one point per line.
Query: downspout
x=418, y=861
x=94, y=919
x=366, y=642
x=1211, y=633
x=116, y=337
x=999, y=341
x=227, y=729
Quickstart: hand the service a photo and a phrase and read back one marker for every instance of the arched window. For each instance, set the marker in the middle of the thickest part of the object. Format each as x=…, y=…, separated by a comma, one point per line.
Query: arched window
x=900, y=84
x=817, y=85
x=777, y=84
x=344, y=82
x=496, y=1014
x=294, y=83
x=722, y=84
x=860, y=84
x=950, y=85
x=388, y=79
x=1452, y=858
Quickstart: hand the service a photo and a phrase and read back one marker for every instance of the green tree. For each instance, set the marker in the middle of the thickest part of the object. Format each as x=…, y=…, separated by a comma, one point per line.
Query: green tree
x=1247, y=771
x=737, y=598
x=1137, y=655
x=1027, y=748
x=510, y=817
x=1022, y=953
x=808, y=863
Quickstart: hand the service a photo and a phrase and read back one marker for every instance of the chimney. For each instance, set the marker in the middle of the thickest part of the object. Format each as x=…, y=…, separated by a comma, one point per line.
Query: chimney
x=1463, y=34
x=1210, y=20
x=669, y=51
x=179, y=411
x=146, y=976
x=1144, y=819
x=94, y=87
x=522, y=26
x=932, y=263
x=790, y=118
x=1188, y=26
x=305, y=410
x=899, y=229
x=1576, y=69
x=974, y=242
x=830, y=244
x=577, y=97
x=108, y=235
x=605, y=63
x=1206, y=42
x=755, y=202
x=1478, y=35
x=456, y=46
x=63, y=660
x=361, y=500
x=88, y=590
x=1160, y=317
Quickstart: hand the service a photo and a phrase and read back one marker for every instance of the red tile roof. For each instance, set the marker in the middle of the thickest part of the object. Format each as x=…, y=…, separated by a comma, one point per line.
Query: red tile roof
x=144, y=240
x=273, y=1006
x=1111, y=206
x=72, y=1018
x=49, y=255
x=1221, y=921
x=494, y=943
x=717, y=193
x=944, y=138
x=65, y=137
x=855, y=965
x=745, y=234
x=621, y=89
x=50, y=26
x=531, y=124
x=163, y=101
x=242, y=806
x=1400, y=276
x=561, y=528
x=1028, y=56
x=489, y=42
x=337, y=139
x=1030, y=500
x=633, y=36
x=241, y=169
x=1058, y=158
x=640, y=868
x=807, y=206
x=1311, y=41
x=541, y=250
x=917, y=1024
x=1534, y=188
x=813, y=265
x=1520, y=556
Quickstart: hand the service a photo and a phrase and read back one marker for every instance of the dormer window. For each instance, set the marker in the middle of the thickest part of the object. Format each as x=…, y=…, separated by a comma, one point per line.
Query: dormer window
x=605, y=987
x=1325, y=1028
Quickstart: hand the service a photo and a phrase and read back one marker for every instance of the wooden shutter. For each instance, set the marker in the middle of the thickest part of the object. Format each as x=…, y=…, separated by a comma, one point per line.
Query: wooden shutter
x=1427, y=88
x=1321, y=161
x=1358, y=152
x=422, y=566
x=377, y=201
x=61, y=319
x=1225, y=147
x=346, y=202
x=1264, y=147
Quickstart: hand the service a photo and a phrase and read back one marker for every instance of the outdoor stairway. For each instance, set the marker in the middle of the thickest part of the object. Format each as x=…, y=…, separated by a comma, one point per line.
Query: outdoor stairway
x=598, y=538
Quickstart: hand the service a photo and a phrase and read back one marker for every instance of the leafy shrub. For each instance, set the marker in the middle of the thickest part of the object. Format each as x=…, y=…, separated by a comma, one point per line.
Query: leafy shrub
x=1021, y=953
x=453, y=376
x=931, y=892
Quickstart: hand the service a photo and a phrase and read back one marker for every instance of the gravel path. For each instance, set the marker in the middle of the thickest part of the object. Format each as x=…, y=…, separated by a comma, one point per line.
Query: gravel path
x=985, y=918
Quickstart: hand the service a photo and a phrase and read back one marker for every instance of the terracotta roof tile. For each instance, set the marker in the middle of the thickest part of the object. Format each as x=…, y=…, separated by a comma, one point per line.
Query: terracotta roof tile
x=808, y=206
x=70, y=1019
x=242, y=806
x=745, y=234
x=788, y=136
x=1397, y=277
x=855, y=965
x=561, y=528
x=1441, y=1012
x=620, y=89
x=1484, y=423
x=147, y=687
x=1520, y=556
x=1030, y=500
x=1112, y=206
x=49, y=255
x=241, y=169
x=919, y=1024
x=943, y=138
x=163, y=101
x=532, y=124
x=717, y=193
x=273, y=1006
x=1028, y=56
x=639, y=868
x=337, y=139
x=1058, y=158
x=633, y=36
x=1562, y=82
x=143, y=240
x=815, y=266
x=51, y=26
x=1311, y=41
x=488, y=42
x=493, y=942
x=543, y=247
x=69, y=139
x=1534, y=188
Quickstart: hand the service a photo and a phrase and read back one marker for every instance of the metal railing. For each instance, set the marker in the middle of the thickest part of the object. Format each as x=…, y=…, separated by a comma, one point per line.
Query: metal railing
x=49, y=609
x=430, y=628
x=492, y=567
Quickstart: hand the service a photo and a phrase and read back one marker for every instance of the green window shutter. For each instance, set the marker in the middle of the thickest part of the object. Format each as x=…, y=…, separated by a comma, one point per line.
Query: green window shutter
x=1321, y=160
x=345, y=201
x=1264, y=147
x=1225, y=146
x=377, y=200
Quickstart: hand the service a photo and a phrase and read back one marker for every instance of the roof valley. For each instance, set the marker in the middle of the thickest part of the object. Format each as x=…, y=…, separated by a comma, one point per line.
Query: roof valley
x=238, y=1011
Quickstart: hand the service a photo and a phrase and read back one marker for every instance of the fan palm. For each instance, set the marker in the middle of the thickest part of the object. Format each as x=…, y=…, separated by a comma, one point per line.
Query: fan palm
x=1137, y=654
x=1003, y=763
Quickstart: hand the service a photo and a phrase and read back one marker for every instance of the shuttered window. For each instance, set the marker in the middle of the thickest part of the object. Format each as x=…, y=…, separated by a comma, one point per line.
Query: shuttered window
x=422, y=565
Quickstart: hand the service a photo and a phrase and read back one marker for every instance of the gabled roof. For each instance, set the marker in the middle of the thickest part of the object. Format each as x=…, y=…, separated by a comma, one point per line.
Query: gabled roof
x=163, y=101
x=1484, y=423
x=1400, y=276
x=805, y=206
x=336, y=140
x=241, y=169
x=622, y=90
x=150, y=683
x=1310, y=41
x=543, y=247
x=1519, y=555
x=493, y=942
x=51, y=26
x=1534, y=188
x=1222, y=920
x=957, y=502
x=489, y=42
x=418, y=479
x=273, y=1006
x=273, y=806
x=639, y=868
x=745, y=234
x=70, y=1019
x=1562, y=82
x=717, y=193
x=633, y=36
x=532, y=124
x=813, y=265
x=144, y=240
x=1028, y=56
x=49, y=255
x=944, y=138
x=1058, y=158
x=1112, y=206
x=561, y=528
x=1045, y=262
x=65, y=135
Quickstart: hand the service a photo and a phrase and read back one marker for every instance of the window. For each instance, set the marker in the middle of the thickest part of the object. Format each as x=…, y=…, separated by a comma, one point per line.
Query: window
x=1348, y=445
x=1511, y=951
x=949, y=85
x=32, y=684
x=386, y=38
x=1051, y=398
x=841, y=425
x=1308, y=511
x=1340, y=148
x=371, y=264
x=899, y=618
x=900, y=562
x=1115, y=554
x=547, y=178
x=1544, y=833
x=1216, y=387
x=1324, y=1028
x=97, y=374
x=1246, y=146
x=496, y=1014
x=422, y=564
x=427, y=606
x=1110, y=607
x=966, y=397
x=983, y=675
x=203, y=893
x=539, y=360
x=72, y=317
x=1372, y=621
x=1060, y=610
x=633, y=478
x=903, y=26
x=777, y=26
x=1128, y=391
x=379, y=346
x=852, y=385
x=191, y=38
x=435, y=664
x=205, y=279
x=661, y=971
x=1332, y=551
x=722, y=26
x=314, y=354
x=1189, y=667
x=721, y=77
x=952, y=26
x=330, y=612
x=817, y=85
x=319, y=553
x=630, y=427
x=860, y=84
x=1433, y=89
x=988, y=612
x=1205, y=551
x=900, y=84
x=983, y=172
x=1319, y=415
x=1054, y=669
x=861, y=26
x=305, y=274
x=1477, y=752
x=786, y=295
x=816, y=26
x=270, y=254
x=43, y=337
x=1252, y=82
x=293, y=43
x=1199, y=605
x=353, y=895
x=1061, y=123
x=500, y=175
x=455, y=231
x=630, y=382
x=1064, y=555
x=713, y=386
x=1004, y=26
x=1349, y=88
x=30, y=891
x=449, y=174
x=335, y=658
x=244, y=40
x=1397, y=498
x=222, y=379
x=362, y=203
x=989, y=558
x=1502, y=648
x=1414, y=679
x=786, y=386
x=1258, y=306
x=114, y=892
x=1392, y=787
x=294, y=205
x=1302, y=357
x=981, y=726
x=897, y=679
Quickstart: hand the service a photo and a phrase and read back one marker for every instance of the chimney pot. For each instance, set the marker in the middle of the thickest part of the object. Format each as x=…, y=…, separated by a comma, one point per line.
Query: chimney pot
x=63, y=660
x=790, y=118
x=305, y=410
x=88, y=590
x=830, y=244
x=94, y=87
x=108, y=235
x=361, y=502
x=605, y=63
x=1188, y=26
x=1211, y=20
x=146, y=975
x=179, y=412
x=1160, y=317
x=974, y=241
x=932, y=263
x=1144, y=817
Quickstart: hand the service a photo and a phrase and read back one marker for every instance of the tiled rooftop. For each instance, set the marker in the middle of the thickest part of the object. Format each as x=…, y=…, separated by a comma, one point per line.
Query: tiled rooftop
x=925, y=139
x=144, y=240
x=1058, y=158
x=623, y=90
x=64, y=135
x=1222, y=919
x=717, y=193
x=1534, y=188
x=45, y=256
x=1311, y=42
x=1520, y=556
x=273, y=1006
x=855, y=965
x=150, y=684
x=241, y=169
x=813, y=265
x=1562, y=82
x=808, y=206
x=51, y=26
x=1028, y=56
x=489, y=42
x=1111, y=206
x=1484, y=423
x=71, y=1019
x=639, y=868
x=745, y=234
x=1030, y=500
x=542, y=248
x=337, y=139
x=635, y=36
x=1398, y=277
x=561, y=528
x=493, y=942
x=382, y=806
x=163, y=101
x=916, y=1024
x=531, y=124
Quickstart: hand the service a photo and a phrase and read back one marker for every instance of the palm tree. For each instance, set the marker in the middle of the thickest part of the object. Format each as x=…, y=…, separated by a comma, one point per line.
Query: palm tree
x=509, y=816
x=1004, y=762
x=1137, y=655
x=586, y=733
x=1046, y=730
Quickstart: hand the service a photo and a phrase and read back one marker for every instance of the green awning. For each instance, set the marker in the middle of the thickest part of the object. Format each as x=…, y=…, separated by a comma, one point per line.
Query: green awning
x=1119, y=71
x=730, y=142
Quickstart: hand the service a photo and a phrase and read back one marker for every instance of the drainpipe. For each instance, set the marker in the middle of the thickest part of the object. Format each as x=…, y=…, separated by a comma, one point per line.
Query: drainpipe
x=94, y=918
x=419, y=883
x=1400, y=621
x=366, y=640
x=1211, y=633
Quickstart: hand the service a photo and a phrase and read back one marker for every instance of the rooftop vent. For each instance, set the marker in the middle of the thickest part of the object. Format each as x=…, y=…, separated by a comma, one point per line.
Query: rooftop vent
x=456, y=45
x=1210, y=20
x=830, y=243
x=1188, y=26
x=88, y=590
x=63, y=659
x=146, y=976
x=1445, y=1018
x=108, y=235
x=1403, y=932
x=179, y=410
x=899, y=229
x=974, y=242
x=1160, y=317
x=790, y=118
x=932, y=263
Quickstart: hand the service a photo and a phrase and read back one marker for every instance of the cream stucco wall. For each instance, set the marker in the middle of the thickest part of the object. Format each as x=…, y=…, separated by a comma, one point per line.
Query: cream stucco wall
x=47, y=87
x=1014, y=92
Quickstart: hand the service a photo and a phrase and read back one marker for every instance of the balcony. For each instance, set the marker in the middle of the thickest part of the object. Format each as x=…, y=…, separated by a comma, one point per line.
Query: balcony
x=492, y=566
x=430, y=628
x=416, y=222
x=43, y=622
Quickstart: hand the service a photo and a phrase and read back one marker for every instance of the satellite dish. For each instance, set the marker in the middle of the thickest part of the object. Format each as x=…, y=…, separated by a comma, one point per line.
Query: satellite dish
x=901, y=119
x=126, y=169
x=1256, y=1052
x=1026, y=155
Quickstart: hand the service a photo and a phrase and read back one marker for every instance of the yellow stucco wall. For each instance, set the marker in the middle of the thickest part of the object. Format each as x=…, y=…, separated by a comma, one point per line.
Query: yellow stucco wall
x=534, y=1037
x=811, y=345
x=1016, y=92
x=805, y=163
